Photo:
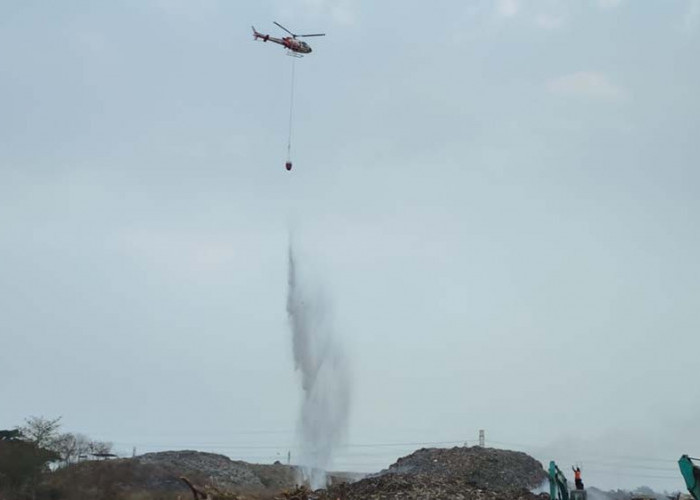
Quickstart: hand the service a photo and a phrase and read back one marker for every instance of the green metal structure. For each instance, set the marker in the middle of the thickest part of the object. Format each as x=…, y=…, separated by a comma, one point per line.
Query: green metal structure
x=558, y=486
x=691, y=475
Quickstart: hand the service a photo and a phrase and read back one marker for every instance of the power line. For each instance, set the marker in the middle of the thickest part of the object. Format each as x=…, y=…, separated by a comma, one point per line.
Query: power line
x=621, y=464
x=592, y=457
x=274, y=447
x=632, y=474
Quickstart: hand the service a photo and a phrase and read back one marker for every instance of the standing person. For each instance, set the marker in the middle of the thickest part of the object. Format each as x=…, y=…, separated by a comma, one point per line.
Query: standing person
x=577, y=477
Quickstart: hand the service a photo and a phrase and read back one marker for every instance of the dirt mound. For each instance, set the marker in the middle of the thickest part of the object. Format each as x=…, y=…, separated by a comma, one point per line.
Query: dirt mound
x=421, y=487
x=456, y=473
x=159, y=474
x=107, y=480
x=217, y=469
x=221, y=471
x=485, y=467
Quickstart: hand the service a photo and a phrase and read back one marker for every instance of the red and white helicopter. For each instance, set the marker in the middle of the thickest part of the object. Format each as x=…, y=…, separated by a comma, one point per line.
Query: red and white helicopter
x=296, y=47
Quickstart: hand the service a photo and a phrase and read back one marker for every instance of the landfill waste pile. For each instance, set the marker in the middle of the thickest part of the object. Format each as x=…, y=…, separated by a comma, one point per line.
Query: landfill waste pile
x=159, y=475
x=487, y=467
x=457, y=473
x=218, y=470
x=208, y=492
x=299, y=493
x=427, y=474
x=420, y=487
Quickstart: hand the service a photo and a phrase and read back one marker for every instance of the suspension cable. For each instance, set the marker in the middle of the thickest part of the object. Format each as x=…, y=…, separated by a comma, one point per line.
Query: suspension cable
x=291, y=114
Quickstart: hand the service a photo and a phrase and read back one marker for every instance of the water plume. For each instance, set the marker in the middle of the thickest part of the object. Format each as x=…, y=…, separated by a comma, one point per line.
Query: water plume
x=325, y=379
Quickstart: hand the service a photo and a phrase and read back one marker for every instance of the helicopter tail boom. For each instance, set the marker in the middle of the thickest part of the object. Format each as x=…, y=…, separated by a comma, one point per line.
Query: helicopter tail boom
x=257, y=35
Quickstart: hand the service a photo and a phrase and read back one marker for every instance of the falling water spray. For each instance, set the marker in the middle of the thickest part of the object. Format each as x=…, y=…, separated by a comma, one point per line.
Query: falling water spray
x=325, y=379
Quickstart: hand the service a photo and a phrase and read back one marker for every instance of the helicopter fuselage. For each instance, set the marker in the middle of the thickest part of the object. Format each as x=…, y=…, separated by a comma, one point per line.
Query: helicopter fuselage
x=289, y=42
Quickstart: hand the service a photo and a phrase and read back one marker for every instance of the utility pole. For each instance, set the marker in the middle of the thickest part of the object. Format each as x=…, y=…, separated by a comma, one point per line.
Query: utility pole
x=289, y=457
x=482, y=438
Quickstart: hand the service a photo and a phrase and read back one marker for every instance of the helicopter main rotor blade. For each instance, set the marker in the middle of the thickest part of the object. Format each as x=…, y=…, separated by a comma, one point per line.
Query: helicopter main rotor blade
x=316, y=34
x=285, y=29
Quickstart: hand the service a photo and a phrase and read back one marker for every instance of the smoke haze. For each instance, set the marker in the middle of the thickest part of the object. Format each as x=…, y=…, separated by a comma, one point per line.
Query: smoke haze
x=325, y=379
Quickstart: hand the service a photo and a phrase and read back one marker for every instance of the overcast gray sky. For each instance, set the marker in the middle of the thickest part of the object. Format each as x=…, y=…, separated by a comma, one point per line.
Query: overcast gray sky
x=500, y=197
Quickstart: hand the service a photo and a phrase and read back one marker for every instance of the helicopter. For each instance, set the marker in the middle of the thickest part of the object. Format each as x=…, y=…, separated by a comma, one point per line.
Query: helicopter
x=296, y=47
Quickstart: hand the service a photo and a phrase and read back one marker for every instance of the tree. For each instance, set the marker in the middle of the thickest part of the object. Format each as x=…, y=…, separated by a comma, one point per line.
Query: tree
x=21, y=462
x=11, y=435
x=27, y=452
x=102, y=447
x=41, y=431
x=70, y=447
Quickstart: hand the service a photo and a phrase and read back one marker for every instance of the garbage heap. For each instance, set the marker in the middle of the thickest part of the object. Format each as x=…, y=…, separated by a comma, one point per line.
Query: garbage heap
x=459, y=473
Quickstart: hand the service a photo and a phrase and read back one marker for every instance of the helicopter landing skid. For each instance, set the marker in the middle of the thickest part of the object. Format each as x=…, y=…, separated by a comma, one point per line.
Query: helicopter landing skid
x=291, y=53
